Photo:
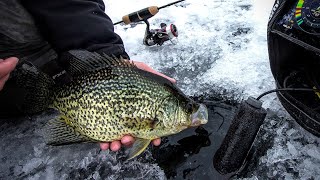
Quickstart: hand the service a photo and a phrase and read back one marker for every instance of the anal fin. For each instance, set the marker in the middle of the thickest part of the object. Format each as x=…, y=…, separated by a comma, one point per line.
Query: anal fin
x=58, y=132
x=138, y=147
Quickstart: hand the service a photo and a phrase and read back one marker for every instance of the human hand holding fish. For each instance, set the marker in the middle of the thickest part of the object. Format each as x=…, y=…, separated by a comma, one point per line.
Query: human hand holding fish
x=119, y=101
x=126, y=141
x=145, y=67
x=6, y=66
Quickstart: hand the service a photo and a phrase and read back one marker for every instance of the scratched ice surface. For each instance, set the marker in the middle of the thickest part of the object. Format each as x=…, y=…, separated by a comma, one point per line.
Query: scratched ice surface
x=24, y=155
x=221, y=52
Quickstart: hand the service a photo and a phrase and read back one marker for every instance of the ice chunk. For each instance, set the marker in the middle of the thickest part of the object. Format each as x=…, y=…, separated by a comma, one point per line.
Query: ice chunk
x=293, y=151
x=31, y=165
x=314, y=152
x=290, y=132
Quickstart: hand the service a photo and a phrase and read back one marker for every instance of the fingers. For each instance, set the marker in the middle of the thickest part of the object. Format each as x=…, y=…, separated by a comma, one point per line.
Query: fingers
x=6, y=66
x=115, y=146
x=145, y=67
x=156, y=142
x=126, y=141
x=104, y=146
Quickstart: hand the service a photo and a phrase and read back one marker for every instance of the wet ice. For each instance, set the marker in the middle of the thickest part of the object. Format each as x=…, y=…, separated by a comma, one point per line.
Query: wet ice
x=230, y=42
x=222, y=51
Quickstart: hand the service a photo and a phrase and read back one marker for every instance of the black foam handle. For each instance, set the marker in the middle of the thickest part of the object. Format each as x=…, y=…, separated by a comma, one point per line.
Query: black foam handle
x=240, y=137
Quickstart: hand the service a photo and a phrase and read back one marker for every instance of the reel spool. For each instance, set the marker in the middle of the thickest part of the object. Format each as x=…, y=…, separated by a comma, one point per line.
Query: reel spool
x=159, y=36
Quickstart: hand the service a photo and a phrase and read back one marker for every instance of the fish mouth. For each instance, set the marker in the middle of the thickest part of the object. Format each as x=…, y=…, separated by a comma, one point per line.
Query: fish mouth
x=200, y=116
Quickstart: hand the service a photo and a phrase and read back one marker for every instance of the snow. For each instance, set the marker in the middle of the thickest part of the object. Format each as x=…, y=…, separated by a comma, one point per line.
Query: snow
x=27, y=157
x=221, y=51
x=292, y=157
x=221, y=44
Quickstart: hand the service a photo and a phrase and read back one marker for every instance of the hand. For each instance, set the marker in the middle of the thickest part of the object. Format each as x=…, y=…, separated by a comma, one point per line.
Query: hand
x=129, y=140
x=6, y=66
x=126, y=141
x=145, y=67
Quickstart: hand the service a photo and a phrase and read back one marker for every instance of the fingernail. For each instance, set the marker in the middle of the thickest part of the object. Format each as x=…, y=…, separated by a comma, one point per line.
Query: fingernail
x=104, y=146
x=126, y=141
x=13, y=58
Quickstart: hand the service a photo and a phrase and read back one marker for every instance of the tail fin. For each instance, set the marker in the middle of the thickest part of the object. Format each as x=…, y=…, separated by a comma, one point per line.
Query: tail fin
x=37, y=85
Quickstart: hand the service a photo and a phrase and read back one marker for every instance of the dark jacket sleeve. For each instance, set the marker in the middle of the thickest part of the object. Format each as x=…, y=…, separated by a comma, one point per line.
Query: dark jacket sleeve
x=76, y=24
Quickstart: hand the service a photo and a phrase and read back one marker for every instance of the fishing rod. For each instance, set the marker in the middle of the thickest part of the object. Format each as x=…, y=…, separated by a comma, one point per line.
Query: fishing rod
x=153, y=36
x=143, y=14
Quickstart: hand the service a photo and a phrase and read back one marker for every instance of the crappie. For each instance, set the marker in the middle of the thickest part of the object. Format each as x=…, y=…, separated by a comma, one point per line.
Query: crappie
x=109, y=98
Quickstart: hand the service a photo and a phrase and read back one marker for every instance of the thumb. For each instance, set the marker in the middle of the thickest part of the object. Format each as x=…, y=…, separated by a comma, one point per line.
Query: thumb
x=145, y=67
x=7, y=65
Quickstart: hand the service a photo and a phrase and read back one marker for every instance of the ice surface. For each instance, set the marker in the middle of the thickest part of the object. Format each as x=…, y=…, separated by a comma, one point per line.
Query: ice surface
x=294, y=156
x=221, y=47
x=27, y=157
x=221, y=51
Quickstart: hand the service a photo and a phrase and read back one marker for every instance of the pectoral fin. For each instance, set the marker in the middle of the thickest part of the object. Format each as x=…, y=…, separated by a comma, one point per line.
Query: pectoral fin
x=58, y=132
x=138, y=147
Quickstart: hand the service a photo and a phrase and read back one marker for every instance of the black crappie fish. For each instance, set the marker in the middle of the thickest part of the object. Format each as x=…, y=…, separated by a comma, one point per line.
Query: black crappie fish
x=109, y=98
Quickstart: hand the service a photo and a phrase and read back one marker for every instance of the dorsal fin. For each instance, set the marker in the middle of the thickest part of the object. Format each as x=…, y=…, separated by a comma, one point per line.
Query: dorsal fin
x=82, y=61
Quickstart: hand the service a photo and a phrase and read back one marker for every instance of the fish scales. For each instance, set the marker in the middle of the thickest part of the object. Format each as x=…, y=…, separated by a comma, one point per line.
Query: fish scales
x=130, y=103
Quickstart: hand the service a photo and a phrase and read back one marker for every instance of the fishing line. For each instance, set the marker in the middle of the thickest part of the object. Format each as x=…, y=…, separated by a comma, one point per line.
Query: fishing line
x=170, y=4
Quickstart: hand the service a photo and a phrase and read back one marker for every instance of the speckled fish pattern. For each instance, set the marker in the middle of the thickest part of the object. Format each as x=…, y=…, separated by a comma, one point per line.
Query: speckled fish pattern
x=112, y=101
